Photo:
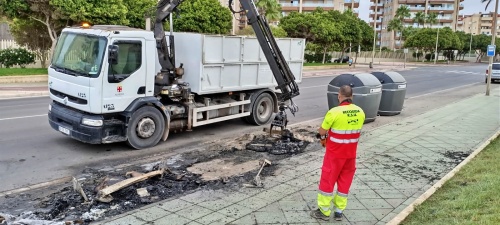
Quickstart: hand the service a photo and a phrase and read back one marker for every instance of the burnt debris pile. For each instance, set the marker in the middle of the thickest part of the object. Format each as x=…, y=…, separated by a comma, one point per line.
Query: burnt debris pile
x=283, y=144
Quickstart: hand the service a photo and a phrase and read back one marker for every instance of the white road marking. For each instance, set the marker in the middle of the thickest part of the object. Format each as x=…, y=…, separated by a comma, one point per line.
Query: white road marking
x=22, y=117
x=449, y=89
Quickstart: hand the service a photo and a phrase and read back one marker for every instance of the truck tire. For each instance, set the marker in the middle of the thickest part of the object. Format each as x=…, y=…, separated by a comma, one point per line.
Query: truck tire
x=145, y=128
x=262, y=110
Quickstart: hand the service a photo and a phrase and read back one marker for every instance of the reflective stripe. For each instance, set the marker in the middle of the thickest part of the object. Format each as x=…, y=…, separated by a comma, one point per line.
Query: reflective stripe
x=344, y=141
x=325, y=193
x=325, y=209
x=345, y=131
x=342, y=194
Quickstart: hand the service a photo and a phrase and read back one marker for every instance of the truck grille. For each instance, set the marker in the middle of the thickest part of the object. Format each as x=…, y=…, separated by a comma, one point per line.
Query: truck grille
x=72, y=99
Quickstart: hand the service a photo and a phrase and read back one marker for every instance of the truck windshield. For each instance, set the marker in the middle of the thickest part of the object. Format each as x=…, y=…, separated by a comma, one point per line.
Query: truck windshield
x=495, y=66
x=79, y=54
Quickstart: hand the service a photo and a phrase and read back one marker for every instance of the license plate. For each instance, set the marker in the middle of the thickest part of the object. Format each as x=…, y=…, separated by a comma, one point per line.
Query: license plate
x=64, y=130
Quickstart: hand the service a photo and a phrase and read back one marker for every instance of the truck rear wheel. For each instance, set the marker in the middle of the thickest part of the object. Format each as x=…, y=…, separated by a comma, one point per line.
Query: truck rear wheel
x=262, y=110
x=145, y=128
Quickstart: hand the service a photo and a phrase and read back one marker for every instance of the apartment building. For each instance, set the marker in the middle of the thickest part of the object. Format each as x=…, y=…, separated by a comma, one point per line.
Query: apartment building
x=288, y=6
x=480, y=23
x=310, y=5
x=383, y=11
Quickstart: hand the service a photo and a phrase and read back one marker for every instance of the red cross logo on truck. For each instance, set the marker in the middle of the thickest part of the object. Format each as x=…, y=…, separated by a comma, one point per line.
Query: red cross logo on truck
x=119, y=88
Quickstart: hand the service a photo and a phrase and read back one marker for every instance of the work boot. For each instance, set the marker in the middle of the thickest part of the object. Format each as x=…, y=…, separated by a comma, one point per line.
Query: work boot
x=319, y=215
x=337, y=216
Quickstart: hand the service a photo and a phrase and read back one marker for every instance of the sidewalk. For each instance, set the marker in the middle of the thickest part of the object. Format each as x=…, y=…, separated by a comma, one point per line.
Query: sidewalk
x=396, y=164
x=12, y=90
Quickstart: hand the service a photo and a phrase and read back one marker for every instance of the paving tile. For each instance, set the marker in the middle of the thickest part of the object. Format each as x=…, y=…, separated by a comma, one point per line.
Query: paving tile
x=389, y=217
x=215, y=205
x=299, y=217
x=294, y=205
x=409, y=201
x=372, y=222
x=246, y=220
x=253, y=203
x=270, y=217
x=375, y=203
x=353, y=203
x=333, y=222
x=273, y=207
x=126, y=220
x=364, y=194
x=235, y=197
x=301, y=182
x=203, y=195
x=380, y=213
x=386, y=194
x=175, y=205
x=215, y=218
x=194, y=212
x=395, y=202
x=151, y=213
x=172, y=219
x=358, y=215
x=271, y=196
x=293, y=197
x=285, y=189
x=236, y=211
x=194, y=223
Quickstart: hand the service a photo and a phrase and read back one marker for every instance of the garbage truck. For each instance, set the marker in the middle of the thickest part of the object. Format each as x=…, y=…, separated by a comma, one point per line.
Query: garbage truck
x=111, y=83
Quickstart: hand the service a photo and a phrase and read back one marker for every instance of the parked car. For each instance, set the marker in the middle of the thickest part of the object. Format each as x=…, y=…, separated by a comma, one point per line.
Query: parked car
x=344, y=59
x=495, y=73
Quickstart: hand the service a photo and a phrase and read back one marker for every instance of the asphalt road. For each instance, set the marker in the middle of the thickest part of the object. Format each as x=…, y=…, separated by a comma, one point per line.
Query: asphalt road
x=31, y=152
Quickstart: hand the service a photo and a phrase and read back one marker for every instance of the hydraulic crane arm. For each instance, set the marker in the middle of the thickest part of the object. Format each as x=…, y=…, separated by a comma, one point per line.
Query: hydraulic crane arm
x=166, y=56
x=281, y=71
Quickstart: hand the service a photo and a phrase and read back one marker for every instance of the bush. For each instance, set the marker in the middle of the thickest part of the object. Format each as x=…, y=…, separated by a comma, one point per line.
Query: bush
x=418, y=55
x=429, y=57
x=317, y=58
x=16, y=56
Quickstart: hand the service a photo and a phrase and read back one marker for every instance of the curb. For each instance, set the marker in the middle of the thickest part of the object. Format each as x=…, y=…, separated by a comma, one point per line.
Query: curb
x=24, y=95
x=409, y=209
x=24, y=79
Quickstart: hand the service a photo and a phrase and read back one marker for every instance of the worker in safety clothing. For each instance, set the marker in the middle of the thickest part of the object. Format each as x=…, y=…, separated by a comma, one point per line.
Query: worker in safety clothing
x=339, y=133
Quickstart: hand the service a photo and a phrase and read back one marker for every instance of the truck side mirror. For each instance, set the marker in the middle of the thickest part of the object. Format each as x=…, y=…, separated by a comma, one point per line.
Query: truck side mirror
x=113, y=54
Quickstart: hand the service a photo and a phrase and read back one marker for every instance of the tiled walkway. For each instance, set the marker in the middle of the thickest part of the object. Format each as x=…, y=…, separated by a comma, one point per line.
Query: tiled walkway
x=396, y=164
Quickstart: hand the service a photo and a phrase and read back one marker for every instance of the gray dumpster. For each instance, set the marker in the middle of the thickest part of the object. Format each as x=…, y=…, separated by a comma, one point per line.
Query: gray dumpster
x=367, y=92
x=393, y=93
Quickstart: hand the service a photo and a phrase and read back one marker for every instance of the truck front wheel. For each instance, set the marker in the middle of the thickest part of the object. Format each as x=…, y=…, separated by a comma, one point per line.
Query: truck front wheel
x=145, y=128
x=262, y=109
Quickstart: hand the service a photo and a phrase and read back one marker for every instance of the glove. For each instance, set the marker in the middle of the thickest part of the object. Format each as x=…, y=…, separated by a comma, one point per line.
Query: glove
x=323, y=142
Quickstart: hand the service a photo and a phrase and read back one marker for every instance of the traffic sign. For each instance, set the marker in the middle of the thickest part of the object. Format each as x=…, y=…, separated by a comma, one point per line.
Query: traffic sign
x=491, y=51
x=406, y=50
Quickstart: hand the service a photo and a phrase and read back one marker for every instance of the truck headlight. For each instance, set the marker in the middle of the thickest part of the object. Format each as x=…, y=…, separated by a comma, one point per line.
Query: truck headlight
x=91, y=122
x=50, y=107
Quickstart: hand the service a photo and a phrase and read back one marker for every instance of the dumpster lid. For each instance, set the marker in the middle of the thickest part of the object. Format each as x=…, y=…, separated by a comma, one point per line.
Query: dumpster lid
x=389, y=77
x=355, y=80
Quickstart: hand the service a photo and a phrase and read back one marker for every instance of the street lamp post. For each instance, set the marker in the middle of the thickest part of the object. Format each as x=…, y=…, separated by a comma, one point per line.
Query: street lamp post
x=374, y=32
x=493, y=36
x=437, y=38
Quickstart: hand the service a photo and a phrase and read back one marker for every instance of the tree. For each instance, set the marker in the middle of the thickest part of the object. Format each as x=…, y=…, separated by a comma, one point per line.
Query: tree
x=480, y=45
x=30, y=34
x=271, y=9
x=431, y=19
x=425, y=39
x=299, y=25
x=137, y=10
x=278, y=32
x=419, y=18
x=43, y=11
x=395, y=25
x=203, y=16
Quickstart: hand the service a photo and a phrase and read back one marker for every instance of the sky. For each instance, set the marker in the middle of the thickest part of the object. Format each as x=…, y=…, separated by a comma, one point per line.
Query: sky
x=470, y=7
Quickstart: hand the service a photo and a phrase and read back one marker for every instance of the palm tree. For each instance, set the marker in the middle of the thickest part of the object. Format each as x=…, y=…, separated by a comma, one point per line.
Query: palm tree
x=396, y=25
x=431, y=18
x=419, y=18
x=271, y=9
x=403, y=12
